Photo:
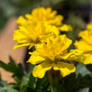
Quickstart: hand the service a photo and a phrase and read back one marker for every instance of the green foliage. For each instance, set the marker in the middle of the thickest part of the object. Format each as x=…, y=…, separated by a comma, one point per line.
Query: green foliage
x=13, y=67
x=25, y=82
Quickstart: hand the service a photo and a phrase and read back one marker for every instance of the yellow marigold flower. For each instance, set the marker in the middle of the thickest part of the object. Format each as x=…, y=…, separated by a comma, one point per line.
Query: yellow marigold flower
x=31, y=33
x=46, y=15
x=42, y=23
x=85, y=44
x=49, y=55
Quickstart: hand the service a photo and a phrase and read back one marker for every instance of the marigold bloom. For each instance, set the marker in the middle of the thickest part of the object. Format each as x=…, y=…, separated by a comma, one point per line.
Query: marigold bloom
x=32, y=33
x=49, y=55
x=45, y=15
x=85, y=44
x=41, y=23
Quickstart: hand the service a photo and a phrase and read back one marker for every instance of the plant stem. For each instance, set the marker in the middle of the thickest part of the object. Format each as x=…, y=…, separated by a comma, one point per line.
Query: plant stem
x=54, y=77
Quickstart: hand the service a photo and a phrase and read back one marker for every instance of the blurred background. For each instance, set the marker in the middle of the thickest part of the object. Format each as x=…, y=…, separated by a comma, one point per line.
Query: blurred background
x=76, y=13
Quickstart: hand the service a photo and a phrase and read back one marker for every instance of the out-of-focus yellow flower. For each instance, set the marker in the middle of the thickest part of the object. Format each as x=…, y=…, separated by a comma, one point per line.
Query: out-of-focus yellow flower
x=89, y=26
x=49, y=55
x=85, y=44
x=32, y=33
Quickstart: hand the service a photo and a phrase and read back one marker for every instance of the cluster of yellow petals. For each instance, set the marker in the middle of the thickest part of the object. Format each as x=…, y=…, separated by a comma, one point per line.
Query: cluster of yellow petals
x=33, y=33
x=49, y=55
x=36, y=26
x=85, y=44
x=45, y=15
x=42, y=29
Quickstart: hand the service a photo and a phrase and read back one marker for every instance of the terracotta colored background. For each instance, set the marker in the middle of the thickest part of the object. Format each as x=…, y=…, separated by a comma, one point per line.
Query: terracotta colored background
x=6, y=48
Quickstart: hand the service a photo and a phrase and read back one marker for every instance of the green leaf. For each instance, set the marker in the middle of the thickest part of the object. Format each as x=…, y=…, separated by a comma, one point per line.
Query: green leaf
x=81, y=69
x=28, y=82
x=16, y=69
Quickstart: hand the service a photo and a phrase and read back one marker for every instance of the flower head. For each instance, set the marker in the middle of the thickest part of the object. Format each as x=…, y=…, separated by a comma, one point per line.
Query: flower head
x=49, y=55
x=85, y=44
x=32, y=33
x=42, y=29
x=42, y=23
x=45, y=15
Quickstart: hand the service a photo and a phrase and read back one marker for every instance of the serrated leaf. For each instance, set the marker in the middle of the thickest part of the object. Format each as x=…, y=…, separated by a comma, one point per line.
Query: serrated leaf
x=16, y=69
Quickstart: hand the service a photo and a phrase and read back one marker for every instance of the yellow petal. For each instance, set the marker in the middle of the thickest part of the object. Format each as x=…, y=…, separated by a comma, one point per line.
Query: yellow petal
x=40, y=70
x=79, y=56
x=21, y=45
x=66, y=42
x=28, y=16
x=89, y=26
x=73, y=55
x=35, y=58
x=83, y=45
x=21, y=20
x=87, y=59
x=65, y=68
x=87, y=36
x=66, y=28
